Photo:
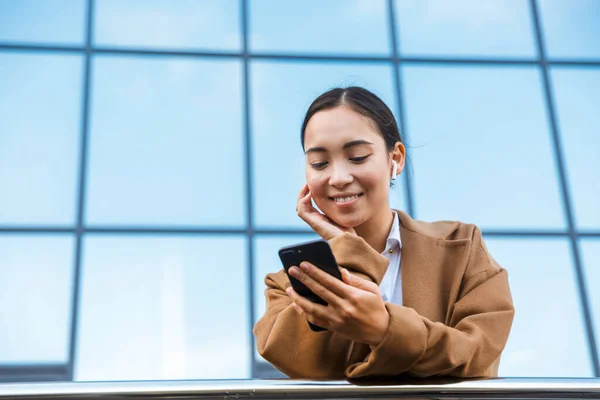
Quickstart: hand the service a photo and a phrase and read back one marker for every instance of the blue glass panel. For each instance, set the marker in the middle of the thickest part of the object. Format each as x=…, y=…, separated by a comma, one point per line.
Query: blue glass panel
x=577, y=99
x=314, y=26
x=281, y=94
x=182, y=24
x=43, y=21
x=571, y=28
x=155, y=307
x=166, y=143
x=36, y=282
x=590, y=249
x=542, y=282
x=491, y=28
x=40, y=108
x=481, y=146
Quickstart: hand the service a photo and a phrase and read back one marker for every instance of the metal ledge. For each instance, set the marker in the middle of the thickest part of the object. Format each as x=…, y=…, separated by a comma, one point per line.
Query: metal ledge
x=257, y=389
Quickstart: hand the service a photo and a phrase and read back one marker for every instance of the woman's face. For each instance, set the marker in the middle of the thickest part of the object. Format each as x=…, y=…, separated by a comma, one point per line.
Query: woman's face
x=348, y=167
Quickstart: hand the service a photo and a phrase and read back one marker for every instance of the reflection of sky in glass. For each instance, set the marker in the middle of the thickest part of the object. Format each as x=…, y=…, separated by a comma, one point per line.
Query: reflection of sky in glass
x=43, y=21
x=571, y=28
x=315, y=26
x=39, y=137
x=481, y=146
x=163, y=130
x=590, y=249
x=181, y=24
x=156, y=307
x=166, y=142
x=465, y=28
x=542, y=282
x=36, y=276
x=281, y=93
x=577, y=98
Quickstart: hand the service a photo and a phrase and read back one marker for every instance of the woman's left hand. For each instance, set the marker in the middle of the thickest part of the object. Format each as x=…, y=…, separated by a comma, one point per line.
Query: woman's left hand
x=355, y=308
x=319, y=223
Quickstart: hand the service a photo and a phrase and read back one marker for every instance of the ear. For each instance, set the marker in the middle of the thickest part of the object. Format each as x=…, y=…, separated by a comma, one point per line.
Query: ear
x=399, y=156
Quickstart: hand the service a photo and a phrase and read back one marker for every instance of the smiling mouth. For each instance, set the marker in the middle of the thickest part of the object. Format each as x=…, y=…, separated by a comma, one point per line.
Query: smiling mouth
x=345, y=199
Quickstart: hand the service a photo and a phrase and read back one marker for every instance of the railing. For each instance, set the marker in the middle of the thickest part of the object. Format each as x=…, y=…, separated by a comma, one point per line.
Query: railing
x=271, y=389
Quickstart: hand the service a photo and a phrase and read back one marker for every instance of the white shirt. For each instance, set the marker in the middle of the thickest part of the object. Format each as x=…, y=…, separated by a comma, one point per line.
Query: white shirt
x=391, y=284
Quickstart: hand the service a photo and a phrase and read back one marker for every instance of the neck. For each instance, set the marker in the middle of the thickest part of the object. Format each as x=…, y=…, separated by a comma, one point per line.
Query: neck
x=376, y=230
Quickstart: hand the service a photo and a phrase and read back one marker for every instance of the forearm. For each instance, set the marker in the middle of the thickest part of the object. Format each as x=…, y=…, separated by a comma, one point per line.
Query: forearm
x=286, y=341
x=469, y=346
x=284, y=338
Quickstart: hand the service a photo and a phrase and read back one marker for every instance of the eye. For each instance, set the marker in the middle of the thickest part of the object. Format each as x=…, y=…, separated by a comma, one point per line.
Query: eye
x=319, y=165
x=358, y=160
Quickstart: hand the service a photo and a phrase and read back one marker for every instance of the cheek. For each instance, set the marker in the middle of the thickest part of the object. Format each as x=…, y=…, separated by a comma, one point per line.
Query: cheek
x=316, y=183
x=373, y=179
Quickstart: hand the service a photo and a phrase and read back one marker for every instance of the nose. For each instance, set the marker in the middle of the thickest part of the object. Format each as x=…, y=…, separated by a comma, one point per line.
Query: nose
x=340, y=176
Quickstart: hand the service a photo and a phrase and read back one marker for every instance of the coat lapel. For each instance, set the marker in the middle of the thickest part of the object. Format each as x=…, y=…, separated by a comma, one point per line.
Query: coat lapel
x=432, y=269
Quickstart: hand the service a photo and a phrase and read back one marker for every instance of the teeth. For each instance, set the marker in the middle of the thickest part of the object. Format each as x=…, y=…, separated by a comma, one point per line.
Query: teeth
x=345, y=199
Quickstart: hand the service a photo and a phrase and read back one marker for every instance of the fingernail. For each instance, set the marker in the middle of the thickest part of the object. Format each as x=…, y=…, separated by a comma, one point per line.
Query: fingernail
x=293, y=272
x=289, y=291
x=304, y=266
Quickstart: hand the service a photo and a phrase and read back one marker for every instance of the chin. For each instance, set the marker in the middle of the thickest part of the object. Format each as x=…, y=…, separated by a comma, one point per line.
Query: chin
x=346, y=221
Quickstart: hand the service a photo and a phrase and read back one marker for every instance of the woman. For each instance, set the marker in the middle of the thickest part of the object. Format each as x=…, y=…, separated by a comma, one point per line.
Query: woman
x=416, y=298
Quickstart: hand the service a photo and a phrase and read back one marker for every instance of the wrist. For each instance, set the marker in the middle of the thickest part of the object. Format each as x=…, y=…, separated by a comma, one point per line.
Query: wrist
x=381, y=331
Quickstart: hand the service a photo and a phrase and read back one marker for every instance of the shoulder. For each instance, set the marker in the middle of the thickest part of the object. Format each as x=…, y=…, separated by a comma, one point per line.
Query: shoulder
x=448, y=237
x=440, y=230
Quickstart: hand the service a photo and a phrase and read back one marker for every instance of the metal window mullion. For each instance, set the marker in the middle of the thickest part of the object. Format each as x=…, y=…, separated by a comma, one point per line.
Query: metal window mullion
x=274, y=56
x=564, y=186
x=79, y=229
x=248, y=179
x=408, y=182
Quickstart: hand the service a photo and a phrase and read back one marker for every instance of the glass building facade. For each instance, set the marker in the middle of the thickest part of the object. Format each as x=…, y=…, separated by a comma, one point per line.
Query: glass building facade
x=150, y=160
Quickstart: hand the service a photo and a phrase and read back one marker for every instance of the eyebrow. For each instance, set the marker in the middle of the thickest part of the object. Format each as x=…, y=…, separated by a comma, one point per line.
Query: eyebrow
x=344, y=147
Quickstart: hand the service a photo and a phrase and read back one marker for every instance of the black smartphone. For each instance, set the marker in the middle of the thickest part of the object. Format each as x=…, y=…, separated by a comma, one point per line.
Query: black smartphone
x=316, y=252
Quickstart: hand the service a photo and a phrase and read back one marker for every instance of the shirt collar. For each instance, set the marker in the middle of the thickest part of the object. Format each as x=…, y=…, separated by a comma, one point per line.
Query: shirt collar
x=393, y=238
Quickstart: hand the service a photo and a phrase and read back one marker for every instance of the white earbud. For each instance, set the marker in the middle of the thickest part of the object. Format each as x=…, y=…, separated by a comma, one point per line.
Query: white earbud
x=395, y=170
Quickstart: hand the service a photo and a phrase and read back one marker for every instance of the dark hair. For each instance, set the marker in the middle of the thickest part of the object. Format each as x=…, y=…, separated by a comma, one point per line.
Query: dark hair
x=363, y=102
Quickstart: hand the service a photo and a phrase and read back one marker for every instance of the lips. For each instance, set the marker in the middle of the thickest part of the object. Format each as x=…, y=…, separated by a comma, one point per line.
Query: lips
x=345, y=197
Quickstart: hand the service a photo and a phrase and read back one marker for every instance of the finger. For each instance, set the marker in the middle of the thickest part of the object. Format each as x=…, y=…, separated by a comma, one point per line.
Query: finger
x=303, y=192
x=307, y=307
x=358, y=282
x=304, y=205
x=298, y=309
x=316, y=287
x=312, y=318
x=332, y=284
x=290, y=292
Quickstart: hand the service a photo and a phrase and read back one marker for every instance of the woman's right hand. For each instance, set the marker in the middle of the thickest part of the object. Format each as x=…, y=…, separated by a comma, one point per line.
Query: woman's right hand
x=319, y=223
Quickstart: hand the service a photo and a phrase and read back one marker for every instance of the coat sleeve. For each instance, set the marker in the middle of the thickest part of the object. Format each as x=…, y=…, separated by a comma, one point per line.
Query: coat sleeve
x=284, y=338
x=468, y=346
